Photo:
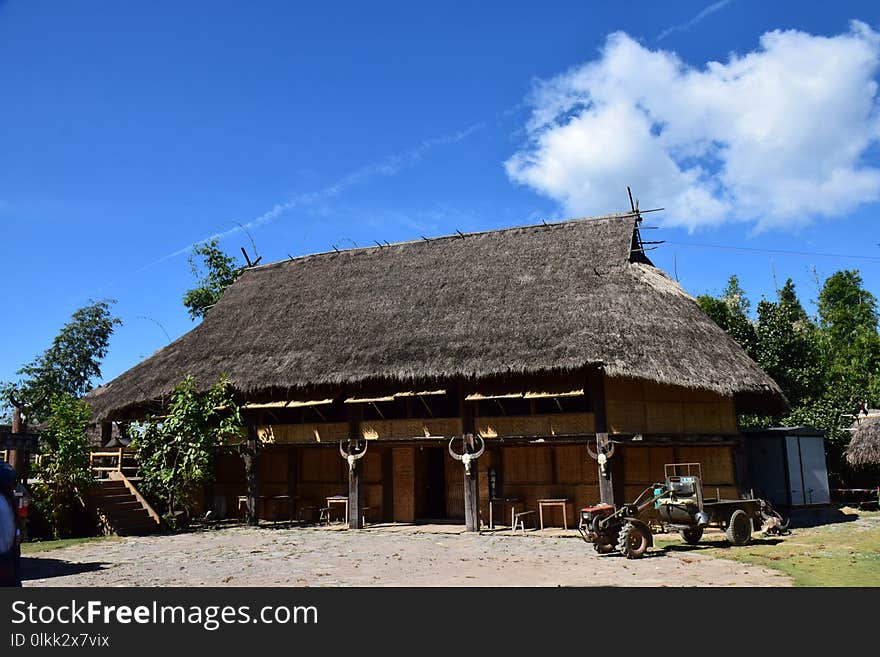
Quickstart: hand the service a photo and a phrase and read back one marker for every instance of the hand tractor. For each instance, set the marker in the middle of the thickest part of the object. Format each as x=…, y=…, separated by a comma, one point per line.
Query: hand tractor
x=677, y=503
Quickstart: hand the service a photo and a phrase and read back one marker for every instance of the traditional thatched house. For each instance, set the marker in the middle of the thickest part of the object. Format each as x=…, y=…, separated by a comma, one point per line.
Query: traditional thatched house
x=864, y=448
x=537, y=339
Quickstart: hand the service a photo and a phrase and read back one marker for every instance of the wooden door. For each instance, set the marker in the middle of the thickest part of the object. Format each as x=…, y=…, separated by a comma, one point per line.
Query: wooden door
x=403, y=483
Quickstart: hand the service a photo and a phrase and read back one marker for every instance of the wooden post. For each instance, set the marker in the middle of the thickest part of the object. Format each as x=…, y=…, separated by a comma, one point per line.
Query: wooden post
x=18, y=458
x=471, y=490
x=471, y=483
x=252, y=476
x=596, y=391
x=355, y=517
x=355, y=489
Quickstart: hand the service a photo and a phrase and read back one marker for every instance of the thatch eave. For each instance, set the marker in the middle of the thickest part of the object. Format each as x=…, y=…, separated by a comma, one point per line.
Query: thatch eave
x=556, y=297
x=864, y=447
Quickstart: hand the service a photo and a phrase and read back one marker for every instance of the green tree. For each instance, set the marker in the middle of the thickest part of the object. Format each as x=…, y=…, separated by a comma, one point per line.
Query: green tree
x=71, y=364
x=217, y=272
x=787, y=346
x=176, y=450
x=731, y=312
x=850, y=344
x=63, y=473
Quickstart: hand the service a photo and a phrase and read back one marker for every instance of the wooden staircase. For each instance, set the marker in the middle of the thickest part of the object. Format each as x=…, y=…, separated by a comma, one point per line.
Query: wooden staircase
x=115, y=501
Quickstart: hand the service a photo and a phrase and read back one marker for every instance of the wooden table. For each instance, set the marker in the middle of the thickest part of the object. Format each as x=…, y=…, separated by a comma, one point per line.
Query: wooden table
x=560, y=502
x=338, y=499
x=276, y=500
x=512, y=501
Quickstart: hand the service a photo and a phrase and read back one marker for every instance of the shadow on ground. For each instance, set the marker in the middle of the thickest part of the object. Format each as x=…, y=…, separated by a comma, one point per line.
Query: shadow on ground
x=716, y=544
x=801, y=518
x=45, y=568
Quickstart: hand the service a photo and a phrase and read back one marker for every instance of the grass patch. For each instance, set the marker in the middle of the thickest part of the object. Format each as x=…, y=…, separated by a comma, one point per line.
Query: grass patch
x=44, y=546
x=838, y=554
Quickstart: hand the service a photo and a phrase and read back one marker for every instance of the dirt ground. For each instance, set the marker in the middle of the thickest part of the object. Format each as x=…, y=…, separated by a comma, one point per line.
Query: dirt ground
x=434, y=555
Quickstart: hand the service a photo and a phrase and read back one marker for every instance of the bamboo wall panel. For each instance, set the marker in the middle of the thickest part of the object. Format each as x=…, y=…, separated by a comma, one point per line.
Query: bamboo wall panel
x=371, y=465
x=574, y=465
x=323, y=465
x=403, y=478
x=528, y=465
x=491, y=459
x=716, y=463
x=562, y=424
x=626, y=416
x=273, y=465
x=373, y=498
x=326, y=432
x=664, y=417
x=643, y=407
x=659, y=457
x=585, y=495
x=411, y=429
x=636, y=465
x=454, y=488
x=568, y=424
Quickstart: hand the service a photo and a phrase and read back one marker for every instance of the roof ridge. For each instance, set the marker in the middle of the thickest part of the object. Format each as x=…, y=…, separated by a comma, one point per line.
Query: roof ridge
x=454, y=236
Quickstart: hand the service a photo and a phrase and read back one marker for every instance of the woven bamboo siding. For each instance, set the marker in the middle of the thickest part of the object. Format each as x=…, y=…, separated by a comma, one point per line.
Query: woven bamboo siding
x=716, y=463
x=326, y=432
x=643, y=407
x=569, y=424
x=403, y=484
x=454, y=488
x=404, y=429
x=536, y=425
x=528, y=465
x=574, y=465
x=644, y=466
x=626, y=416
x=371, y=467
x=273, y=471
x=489, y=459
x=323, y=466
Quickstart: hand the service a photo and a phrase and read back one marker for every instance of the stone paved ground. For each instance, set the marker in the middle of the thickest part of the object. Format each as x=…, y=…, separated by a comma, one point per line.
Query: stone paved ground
x=378, y=556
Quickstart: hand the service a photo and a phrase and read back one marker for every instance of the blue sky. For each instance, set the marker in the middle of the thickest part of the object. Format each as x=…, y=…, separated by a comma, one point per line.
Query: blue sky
x=129, y=131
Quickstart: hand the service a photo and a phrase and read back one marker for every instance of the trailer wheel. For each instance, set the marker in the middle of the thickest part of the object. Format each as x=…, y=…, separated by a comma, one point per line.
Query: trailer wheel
x=692, y=535
x=739, y=529
x=633, y=541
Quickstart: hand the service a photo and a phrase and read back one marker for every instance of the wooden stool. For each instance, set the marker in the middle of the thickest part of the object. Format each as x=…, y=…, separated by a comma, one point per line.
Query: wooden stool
x=519, y=520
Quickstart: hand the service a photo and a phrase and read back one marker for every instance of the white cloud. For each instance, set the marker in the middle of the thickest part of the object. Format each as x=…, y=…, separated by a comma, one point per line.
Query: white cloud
x=778, y=136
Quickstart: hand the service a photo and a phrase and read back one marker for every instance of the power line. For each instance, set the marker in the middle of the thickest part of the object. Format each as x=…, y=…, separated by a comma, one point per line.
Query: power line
x=810, y=254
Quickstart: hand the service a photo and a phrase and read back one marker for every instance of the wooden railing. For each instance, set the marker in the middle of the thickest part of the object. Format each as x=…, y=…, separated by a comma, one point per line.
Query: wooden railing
x=4, y=455
x=105, y=461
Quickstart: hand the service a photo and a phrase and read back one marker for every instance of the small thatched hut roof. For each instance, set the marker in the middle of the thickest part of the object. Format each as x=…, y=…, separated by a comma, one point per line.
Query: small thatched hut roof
x=534, y=299
x=864, y=448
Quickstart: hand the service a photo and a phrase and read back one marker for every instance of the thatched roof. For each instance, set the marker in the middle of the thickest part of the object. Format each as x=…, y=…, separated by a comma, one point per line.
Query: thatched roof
x=544, y=298
x=864, y=448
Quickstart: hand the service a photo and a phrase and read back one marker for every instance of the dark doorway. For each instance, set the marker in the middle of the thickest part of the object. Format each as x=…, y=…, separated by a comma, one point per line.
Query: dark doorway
x=430, y=483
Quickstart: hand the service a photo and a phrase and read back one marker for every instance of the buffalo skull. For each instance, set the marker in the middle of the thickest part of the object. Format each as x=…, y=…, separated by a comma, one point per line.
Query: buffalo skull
x=467, y=457
x=605, y=450
x=351, y=455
